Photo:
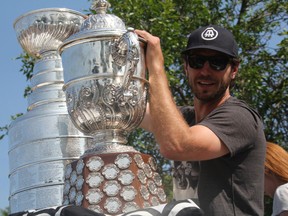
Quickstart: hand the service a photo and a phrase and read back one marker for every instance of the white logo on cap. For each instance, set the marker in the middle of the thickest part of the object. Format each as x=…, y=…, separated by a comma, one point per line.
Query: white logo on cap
x=209, y=34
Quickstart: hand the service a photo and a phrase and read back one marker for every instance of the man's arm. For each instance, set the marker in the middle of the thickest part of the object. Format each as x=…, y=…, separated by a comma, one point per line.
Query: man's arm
x=177, y=140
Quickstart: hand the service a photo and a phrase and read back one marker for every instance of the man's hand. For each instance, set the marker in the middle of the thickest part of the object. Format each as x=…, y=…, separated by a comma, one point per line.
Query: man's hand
x=154, y=57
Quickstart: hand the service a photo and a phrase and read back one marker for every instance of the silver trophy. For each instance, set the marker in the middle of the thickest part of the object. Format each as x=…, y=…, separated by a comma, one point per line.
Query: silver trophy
x=106, y=94
x=44, y=140
x=105, y=80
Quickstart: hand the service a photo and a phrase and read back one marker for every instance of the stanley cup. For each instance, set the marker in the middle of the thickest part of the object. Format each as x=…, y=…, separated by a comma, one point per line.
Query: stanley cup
x=44, y=140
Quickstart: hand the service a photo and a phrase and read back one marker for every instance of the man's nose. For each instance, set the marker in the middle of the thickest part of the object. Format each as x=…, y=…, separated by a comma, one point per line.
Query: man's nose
x=206, y=69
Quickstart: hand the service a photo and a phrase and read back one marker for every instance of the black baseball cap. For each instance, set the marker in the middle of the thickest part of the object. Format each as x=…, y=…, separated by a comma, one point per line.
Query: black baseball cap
x=212, y=37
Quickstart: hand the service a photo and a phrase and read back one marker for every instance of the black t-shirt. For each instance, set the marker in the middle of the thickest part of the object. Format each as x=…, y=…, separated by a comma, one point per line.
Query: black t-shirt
x=233, y=184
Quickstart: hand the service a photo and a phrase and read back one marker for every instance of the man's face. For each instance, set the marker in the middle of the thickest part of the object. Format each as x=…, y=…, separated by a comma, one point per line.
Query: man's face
x=210, y=74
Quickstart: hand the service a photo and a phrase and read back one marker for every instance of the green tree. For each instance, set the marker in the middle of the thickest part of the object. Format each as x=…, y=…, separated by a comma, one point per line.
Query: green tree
x=259, y=28
x=4, y=212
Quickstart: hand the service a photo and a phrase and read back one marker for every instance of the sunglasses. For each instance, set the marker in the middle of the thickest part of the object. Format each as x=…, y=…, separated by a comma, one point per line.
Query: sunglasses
x=217, y=62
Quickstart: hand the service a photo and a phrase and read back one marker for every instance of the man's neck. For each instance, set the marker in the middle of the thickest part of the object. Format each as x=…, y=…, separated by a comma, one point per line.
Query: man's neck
x=202, y=109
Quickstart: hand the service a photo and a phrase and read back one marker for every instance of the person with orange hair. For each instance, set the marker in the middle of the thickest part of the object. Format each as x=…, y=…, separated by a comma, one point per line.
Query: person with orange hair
x=276, y=178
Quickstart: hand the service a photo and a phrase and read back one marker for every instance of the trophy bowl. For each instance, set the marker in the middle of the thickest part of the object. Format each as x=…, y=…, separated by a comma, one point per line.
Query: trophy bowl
x=44, y=30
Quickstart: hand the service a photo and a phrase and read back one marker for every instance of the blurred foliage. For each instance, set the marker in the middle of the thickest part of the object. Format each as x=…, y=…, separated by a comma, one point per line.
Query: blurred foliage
x=4, y=212
x=268, y=205
x=260, y=27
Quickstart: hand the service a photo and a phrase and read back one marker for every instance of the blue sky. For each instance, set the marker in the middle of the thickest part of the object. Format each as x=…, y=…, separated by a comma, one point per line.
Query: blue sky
x=12, y=82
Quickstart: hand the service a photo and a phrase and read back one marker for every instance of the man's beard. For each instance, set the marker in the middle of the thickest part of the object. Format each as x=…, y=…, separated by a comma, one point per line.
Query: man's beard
x=215, y=96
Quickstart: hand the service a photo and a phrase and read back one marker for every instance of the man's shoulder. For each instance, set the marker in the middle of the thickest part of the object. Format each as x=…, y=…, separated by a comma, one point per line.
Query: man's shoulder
x=233, y=101
x=240, y=106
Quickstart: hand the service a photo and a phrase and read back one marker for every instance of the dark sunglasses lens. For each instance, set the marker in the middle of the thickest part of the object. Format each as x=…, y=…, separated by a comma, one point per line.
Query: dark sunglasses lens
x=218, y=62
x=196, y=62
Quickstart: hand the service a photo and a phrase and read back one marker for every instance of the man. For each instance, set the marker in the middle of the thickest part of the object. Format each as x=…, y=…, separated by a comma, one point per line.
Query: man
x=227, y=138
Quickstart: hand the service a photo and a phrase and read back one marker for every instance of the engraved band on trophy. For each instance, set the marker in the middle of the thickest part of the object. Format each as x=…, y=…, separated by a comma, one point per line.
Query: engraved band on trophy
x=43, y=140
x=106, y=95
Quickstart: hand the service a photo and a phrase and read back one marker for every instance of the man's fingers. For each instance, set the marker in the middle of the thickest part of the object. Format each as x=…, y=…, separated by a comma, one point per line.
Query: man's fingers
x=142, y=33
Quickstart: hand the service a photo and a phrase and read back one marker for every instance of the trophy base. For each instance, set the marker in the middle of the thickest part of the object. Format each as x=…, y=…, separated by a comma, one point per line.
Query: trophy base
x=113, y=183
x=102, y=148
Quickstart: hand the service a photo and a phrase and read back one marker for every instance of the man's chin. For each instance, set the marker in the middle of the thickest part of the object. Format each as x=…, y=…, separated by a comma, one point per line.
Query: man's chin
x=207, y=98
x=204, y=97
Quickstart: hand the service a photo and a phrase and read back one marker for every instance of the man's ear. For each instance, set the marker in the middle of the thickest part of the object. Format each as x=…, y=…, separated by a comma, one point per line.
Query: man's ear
x=234, y=70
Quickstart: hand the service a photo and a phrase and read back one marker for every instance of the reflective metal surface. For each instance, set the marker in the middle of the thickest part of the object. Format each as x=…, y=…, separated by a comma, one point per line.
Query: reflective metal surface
x=105, y=80
x=46, y=29
x=44, y=140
